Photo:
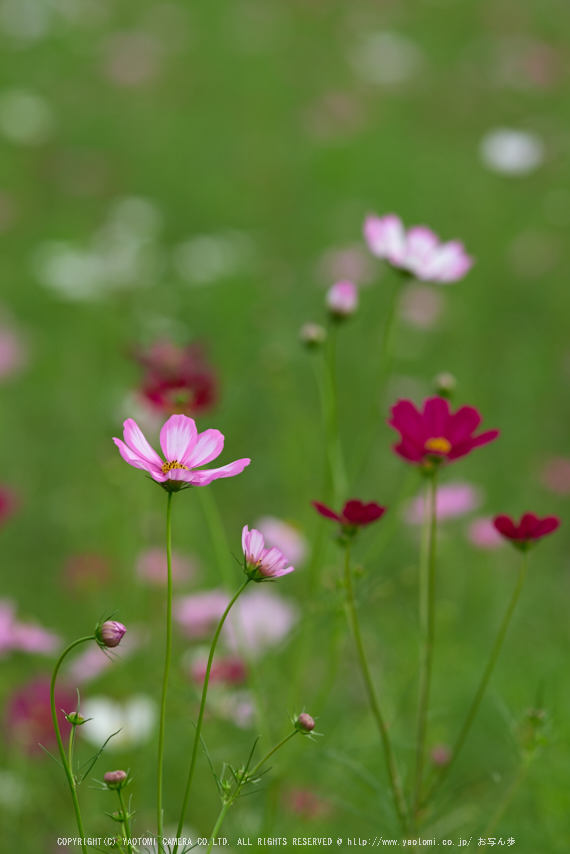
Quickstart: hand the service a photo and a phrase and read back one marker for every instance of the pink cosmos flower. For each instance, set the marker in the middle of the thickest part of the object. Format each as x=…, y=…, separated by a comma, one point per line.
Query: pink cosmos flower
x=530, y=528
x=354, y=514
x=483, y=534
x=25, y=637
x=267, y=563
x=259, y=620
x=200, y=613
x=418, y=251
x=452, y=500
x=435, y=434
x=184, y=450
x=342, y=299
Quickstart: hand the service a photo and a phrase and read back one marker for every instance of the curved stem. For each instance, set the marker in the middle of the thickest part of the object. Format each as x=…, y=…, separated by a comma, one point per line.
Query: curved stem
x=201, y=713
x=397, y=792
x=427, y=625
x=64, y=762
x=462, y=737
x=166, y=666
x=126, y=824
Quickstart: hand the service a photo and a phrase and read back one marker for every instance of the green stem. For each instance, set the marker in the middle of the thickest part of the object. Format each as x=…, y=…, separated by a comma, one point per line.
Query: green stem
x=504, y=803
x=462, y=737
x=64, y=762
x=126, y=824
x=427, y=628
x=396, y=786
x=71, y=740
x=201, y=713
x=166, y=668
x=238, y=788
x=338, y=469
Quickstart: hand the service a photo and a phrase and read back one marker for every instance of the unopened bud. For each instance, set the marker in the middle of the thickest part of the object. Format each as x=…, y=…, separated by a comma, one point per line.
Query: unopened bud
x=441, y=755
x=342, y=299
x=312, y=335
x=75, y=718
x=305, y=723
x=445, y=384
x=111, y=633
x=115, y=779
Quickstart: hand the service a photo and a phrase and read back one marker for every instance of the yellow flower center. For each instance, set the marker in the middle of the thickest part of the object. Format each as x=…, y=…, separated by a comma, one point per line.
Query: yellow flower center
x=440, y=445
x=173, y=464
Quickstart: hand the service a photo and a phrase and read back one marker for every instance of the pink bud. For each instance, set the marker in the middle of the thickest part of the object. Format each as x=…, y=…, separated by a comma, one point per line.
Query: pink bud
x=305, y=723
x=342, y=299
x=111, y=633
x=115, y=779
x=441, y=755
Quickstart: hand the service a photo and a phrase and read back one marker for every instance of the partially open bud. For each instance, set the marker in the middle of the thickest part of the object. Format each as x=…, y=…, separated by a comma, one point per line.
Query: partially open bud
x=312, y=335
x=115, y=779
x=75, y=718
x=445, y=384
x=110, y=633
x=342, y=299
x=305, y=723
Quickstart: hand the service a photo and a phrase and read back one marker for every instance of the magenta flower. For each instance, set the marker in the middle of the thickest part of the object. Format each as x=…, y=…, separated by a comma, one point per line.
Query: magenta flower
x=418, y=251
x=354, y=515
x=178, y=379
x=28, y=719
x=527, y=531
x=184, y=450
x=262, y=563
x=435, y=435
x=342, y=299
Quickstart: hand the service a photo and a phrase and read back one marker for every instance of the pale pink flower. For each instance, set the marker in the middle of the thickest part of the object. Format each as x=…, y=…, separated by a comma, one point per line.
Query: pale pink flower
x=421, y=306
x=269, y=563
x=262, y=619
x=235, y=706
x=152, y=567
x=342, y=299
x=348, y=262
x=12, y=352
x=483, y=534
x=25, y=637
x=556, y=475
x=285, y=536
x=184, y=450
x=452, y=500
x=418, y=251
x=200, y=613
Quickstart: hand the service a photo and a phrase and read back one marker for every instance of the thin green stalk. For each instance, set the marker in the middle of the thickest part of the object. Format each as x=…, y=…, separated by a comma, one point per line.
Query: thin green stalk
x=161, y=726
x=427, y=628
x=504, y=803
x=238, y=788
x=201, y=713
x=126, y=824
x=64, y=762
x=462, y=737
x=338, y=470
x=394, y=777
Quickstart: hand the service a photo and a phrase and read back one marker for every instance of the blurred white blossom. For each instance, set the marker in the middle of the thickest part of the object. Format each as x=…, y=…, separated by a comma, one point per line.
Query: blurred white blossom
x=511, y=152
x=207, y=258
x=135, y=718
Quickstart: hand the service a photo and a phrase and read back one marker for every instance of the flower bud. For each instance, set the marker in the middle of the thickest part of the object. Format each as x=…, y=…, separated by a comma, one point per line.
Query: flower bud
x=75, y=718
x=115, y=779
x=111, y=633
x=312, y=335
x=305, y=723
x=441, y=755
x=445, y=384
x=342, y=299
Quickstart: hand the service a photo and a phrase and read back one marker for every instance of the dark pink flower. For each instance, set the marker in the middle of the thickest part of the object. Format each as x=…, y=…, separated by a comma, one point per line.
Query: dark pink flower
x=227, y=670
x=184, y=450
x=178, y=380
x=436, y=434
x=355, y=514
x=261, y=562
x=28, y=715
x=8, y=503
x=528, y=530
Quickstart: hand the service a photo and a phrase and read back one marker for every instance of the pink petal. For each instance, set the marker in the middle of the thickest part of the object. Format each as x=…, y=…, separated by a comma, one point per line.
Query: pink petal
x=476, y=442
x=463, y=424
x=421, y=245
x=449, y=264
x=134, y=459
x=209, y=445
x=409, y=451
x=177, y=438
x=253, y=544
x=206, y=476
x=386, y=237
x=139, y=446
x=436, y=417
x=408, y=421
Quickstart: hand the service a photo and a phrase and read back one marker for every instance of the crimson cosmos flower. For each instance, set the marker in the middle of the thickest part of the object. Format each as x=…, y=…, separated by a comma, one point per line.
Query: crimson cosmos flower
x=436, y=434
x=355, y=514
x=529, y=529
x=178, y=380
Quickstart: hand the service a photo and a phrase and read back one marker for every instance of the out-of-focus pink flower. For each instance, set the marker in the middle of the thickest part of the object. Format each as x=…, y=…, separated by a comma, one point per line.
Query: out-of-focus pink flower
x=234, y=706
x=418, y=251
x=284, y=536
x=262, y=619
x=12, y=352
x=307, y=805
x=152, y=567
x=342, y=299
x=200, y=613
x=483, y=534
x=28, y=715
x=226, y=670
x=441, y=755
x=421, y=306
x=178, y=380
x=556, y=475
x=452, y=500
x=261, y=562
x=349, y=262
x=25, y=637
x=93, y=661
x=8, y=503
x=184, y=450
x=85, y=573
